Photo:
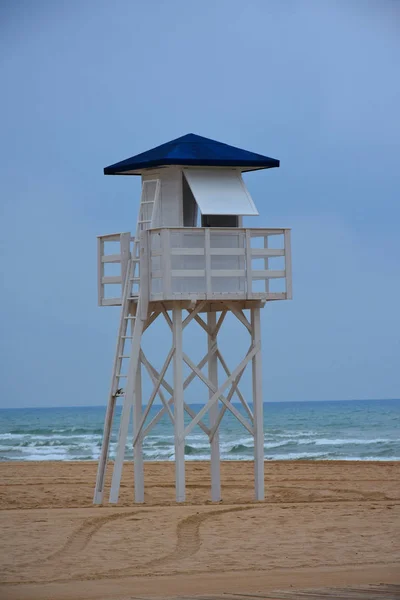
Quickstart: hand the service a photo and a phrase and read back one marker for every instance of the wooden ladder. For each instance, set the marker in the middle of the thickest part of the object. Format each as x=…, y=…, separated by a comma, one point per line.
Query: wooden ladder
x=128, y=345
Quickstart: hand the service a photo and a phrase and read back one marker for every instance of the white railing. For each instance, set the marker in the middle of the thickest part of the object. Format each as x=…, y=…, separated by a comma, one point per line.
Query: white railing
x=212, y=263
x=113, y=253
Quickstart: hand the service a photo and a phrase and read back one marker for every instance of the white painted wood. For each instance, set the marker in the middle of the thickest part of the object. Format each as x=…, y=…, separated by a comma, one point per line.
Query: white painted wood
x=166, y=408
x=214, y=409
x=115, y=381
x=100, y=271
x=267, y=252
x=125, y=244
x=122, y=436
x=266, y=261
x=262, y=274
x=288, y=264
x=144, y=275
x=218, y=394
x=224, y=408
x=111, y=302
x=227, y=251
x=220, y=321
x=111, y=279
x=151, y=320
x=228, y=273
x=101, y=468
x=236, y=387
x=186, y=252
x=220, y=191
x=179, y=406
x=207, y=244
x=175, y=295
x=187, y=273
x=200, y=321
x=126, y=408
x=166, y=263
x=162, y=411
x=249, y=270
x=155, y=376
x=258, y=407
x=122, y=258
x=138, y=446
x=239, y=315
x=110, y=258
x=225, y=280
x=193, y=313
x=154, y=393
x=110, y=237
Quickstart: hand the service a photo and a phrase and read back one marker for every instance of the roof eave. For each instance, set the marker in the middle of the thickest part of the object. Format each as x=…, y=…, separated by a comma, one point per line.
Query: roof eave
x=137, y=169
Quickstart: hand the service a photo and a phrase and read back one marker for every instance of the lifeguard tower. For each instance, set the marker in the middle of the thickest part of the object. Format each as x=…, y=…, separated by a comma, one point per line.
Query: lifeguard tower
x=190, y=259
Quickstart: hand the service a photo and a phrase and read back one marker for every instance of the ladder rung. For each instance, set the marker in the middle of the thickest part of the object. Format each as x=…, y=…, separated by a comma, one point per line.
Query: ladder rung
x=121, y=375
x=123, y=356
x=147, y=202
x=130, y=317
x=145, y=221
x=134, y=279
x=127, y=337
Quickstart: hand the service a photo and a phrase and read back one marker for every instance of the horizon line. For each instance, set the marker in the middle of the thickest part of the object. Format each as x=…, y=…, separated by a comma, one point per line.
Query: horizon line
x=198, y=403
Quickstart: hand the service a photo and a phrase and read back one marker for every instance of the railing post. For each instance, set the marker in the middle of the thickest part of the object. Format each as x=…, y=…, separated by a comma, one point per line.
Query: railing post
x=249, y=273
x=166, y=263
x=144, y=271
x=288, y=264
x=100, y=270
x=266, y=263
x=125, y=246
x=207, y=254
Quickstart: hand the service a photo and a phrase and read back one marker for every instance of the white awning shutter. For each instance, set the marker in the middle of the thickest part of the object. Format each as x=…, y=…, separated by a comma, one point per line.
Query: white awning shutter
x=220, y=192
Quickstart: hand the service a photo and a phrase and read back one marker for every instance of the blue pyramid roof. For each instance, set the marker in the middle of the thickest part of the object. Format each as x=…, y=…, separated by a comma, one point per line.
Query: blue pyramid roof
x=192, y=150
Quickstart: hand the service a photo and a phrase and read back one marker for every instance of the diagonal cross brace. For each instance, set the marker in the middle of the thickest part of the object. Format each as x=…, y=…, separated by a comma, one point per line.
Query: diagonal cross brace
x=169, y=389
x=254, y=348
x=154, y=394
x=224, y=408
x=154, y=376
x=213, y=388
x=240, y=395
x=193, y=314
x=239, y=315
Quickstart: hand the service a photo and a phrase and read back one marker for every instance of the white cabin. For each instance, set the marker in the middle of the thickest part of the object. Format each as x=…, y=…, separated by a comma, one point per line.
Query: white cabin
x=196, y=246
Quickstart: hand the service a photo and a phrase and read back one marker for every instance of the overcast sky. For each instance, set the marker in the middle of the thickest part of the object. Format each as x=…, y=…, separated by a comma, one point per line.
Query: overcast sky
x=316, y=84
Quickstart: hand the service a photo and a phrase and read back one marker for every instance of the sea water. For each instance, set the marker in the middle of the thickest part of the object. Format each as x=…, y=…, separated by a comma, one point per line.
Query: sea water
x=348, y=430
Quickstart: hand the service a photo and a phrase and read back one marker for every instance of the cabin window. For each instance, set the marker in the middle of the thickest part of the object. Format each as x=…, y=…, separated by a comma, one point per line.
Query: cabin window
x=219, y=221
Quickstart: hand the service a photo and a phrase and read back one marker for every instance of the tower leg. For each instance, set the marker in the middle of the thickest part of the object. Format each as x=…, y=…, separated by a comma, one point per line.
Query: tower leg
x=178, y=406
x=214, y=410
x=258, y=408
x=138, y=447
x=101, y=469
x=126, y=409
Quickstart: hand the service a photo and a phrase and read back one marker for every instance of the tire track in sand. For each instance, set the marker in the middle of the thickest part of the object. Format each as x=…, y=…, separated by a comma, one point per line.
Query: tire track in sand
x=187, y=544
x=80, y=538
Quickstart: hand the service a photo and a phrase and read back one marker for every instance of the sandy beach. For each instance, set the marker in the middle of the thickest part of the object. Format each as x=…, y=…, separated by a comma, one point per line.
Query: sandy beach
x=322, y=524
